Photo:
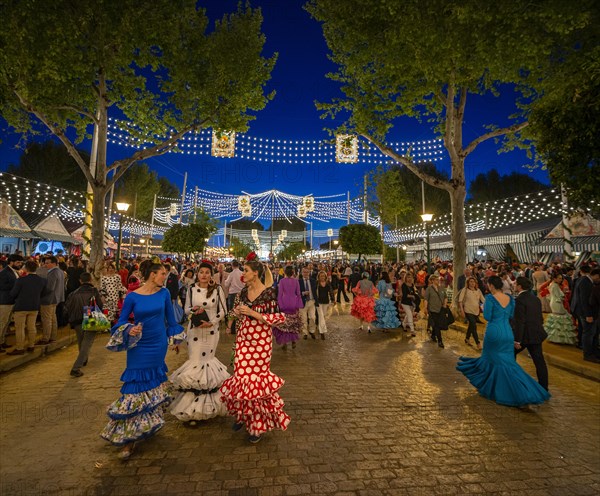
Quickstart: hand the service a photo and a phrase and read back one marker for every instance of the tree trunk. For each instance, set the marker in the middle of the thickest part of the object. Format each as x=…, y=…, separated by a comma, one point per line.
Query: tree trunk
x=459, y=236
x=97, y=243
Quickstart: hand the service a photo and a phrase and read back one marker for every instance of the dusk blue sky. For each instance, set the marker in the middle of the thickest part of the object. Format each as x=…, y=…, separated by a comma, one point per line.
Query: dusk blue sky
x=299, y=79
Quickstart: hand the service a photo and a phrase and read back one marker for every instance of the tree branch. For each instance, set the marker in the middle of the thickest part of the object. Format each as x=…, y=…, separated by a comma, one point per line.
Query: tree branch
x=60, y=134
x=79, y=111
x=410, y=165
x=498, y=132
x=449, y=135
x=155, y=151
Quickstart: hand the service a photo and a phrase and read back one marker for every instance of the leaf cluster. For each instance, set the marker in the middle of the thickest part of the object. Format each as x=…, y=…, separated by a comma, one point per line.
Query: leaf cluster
x=164, y=67
x=361, y=239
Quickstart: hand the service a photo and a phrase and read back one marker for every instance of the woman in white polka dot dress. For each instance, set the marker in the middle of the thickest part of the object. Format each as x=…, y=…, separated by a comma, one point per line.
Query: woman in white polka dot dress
x=200, y=377
x=251, y=395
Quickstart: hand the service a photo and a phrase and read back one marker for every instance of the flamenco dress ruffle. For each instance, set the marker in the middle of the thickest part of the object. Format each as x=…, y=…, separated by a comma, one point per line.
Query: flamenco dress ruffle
x=255, y=402
x=387, y=317
x=560, y=329
x=496, y=374
x=363, y=307
x=138, y=413
x=198, y=384
x=288, y=331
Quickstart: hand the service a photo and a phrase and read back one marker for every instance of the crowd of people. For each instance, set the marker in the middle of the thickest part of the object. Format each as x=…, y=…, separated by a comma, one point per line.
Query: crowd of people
x=153, y=303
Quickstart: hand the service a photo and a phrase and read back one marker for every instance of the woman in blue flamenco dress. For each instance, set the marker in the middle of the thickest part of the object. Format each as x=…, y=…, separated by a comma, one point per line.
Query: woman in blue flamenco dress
x=385, y=309
x=138, y=413
x=496, y=374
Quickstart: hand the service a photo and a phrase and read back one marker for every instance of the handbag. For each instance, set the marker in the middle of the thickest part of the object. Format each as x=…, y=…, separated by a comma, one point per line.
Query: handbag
x=93, y=318
x=446, y=318
x=198, y=318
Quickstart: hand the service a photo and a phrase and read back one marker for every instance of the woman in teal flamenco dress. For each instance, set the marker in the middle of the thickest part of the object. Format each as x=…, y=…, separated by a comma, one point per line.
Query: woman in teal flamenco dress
x=385, y=309
x=559, y=324
x=138, y=413
x=496, y=374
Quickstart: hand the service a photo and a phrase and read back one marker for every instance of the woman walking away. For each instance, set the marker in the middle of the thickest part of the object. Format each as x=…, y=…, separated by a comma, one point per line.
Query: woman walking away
x=138, y=413
x=251, y=395
x=469, y=300
x=200, y=377
x=387, y=317
x=290, y=301
x=363, y=305
x=324, y=297
x=496, y=374
x=559, y=324
x=409, y=300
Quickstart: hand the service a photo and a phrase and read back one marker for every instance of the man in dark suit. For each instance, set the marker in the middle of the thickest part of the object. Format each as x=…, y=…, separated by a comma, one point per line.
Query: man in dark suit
x=308, y=314
x=462, y=279
x=528, y=328
x=8, y=278
x=581, y=308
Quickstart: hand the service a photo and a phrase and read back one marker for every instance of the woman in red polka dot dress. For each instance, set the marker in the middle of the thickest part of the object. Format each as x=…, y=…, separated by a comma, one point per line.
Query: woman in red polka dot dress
x=251, y=394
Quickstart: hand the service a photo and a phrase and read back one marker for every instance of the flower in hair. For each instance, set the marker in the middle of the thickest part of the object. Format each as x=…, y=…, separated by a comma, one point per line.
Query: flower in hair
x=251, y=256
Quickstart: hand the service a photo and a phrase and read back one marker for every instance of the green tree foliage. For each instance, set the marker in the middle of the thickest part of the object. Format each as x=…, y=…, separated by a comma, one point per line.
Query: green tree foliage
x=427, y=59
x=185, y=239
x=291, y=251
x=157, y=65
x=565, y=124
x=294, y=224
x=50, y=163
x=361, y=239
x=399, y=191
x=246, y=225
x=493, y=186
x=138, y=186
x=239, y=248
x=191, y=238
x=166, y=189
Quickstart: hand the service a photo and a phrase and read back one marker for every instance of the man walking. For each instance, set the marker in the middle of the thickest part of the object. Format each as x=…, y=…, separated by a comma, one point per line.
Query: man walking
x=78, y=299
x=8, y=278
x=528, y=327
x=27, y=293
x=55, y=294
x=308, y=314
x=581, y=308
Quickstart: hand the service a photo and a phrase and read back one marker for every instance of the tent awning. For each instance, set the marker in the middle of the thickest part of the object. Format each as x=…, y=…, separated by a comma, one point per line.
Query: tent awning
x=580, y=243
x=16, y=233
x=56, y=237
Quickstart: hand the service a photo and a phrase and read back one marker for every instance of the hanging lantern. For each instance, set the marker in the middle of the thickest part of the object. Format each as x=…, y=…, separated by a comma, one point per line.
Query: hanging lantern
x=283, y=233
x=243, y=202
x=346, y=148
x=301, y=211
x=247, y=212
x=254, y=233
x=223, y=143
x=309, y=203
x=173, y=209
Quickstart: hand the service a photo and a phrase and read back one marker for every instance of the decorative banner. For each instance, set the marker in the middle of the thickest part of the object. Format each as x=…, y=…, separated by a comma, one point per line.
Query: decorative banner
x=173, y=209
x=223, y=144
x=346, y=149
x=329, y=232
x=243, y=202
x=309, y=203
x=247, y=212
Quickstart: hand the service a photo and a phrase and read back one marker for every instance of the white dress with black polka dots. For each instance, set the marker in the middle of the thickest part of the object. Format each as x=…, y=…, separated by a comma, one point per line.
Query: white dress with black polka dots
x=198, y=380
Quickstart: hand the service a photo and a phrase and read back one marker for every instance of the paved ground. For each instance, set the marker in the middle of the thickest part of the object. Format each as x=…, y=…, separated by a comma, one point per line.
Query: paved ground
x=371, y=414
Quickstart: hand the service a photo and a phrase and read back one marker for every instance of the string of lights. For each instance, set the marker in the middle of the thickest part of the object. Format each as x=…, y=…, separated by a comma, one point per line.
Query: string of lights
x=281, y=151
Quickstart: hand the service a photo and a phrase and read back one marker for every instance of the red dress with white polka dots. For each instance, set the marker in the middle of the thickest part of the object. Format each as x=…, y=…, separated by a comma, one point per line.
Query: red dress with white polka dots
x=251, y=394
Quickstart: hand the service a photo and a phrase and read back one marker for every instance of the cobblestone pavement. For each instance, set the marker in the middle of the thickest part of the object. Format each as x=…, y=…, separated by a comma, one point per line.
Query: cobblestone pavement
x=371, y=414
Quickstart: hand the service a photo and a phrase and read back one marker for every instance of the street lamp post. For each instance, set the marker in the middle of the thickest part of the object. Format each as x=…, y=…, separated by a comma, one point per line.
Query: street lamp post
x=121, y=208
x=426, y=220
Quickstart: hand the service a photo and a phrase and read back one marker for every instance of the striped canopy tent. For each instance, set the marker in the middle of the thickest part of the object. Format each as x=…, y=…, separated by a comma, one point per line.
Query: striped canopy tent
x=585, y=236
x=495, y=242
